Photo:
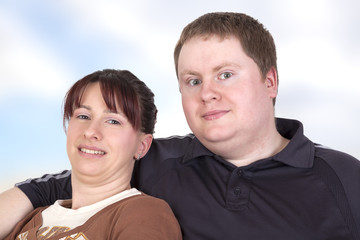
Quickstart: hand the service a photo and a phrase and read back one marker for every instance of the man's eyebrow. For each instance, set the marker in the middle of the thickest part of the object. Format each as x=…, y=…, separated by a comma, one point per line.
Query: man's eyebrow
x=215, y=69
x=223, y=65
x=188, y=72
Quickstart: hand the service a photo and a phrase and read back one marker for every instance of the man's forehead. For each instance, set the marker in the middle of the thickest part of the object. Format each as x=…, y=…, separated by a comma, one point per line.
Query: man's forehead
x=201, y=46
x=211, y=36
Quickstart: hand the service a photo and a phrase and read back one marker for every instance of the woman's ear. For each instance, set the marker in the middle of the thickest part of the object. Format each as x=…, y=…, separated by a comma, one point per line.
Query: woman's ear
x=271, y=82
x=144, y=145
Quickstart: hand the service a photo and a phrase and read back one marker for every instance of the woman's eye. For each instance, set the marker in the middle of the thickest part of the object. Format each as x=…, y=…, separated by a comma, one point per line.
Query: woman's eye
x=83, y=117
x=225, y=75
x=194, y=82
x=112, y=121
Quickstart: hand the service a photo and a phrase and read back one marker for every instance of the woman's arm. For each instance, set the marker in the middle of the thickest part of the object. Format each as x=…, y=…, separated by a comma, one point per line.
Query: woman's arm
x=14, y=206
x=17, y=202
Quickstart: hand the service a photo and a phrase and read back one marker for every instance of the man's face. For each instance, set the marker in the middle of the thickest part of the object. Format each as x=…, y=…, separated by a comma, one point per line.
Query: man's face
x=224, y=97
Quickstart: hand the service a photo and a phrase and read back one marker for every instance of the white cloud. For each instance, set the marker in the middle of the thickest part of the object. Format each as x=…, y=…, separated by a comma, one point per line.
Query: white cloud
x=317, y=42
x=27, y=64
x=318, y=63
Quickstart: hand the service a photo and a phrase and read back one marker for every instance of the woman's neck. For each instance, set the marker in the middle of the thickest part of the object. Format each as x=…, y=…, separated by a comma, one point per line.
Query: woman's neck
x=84, y=194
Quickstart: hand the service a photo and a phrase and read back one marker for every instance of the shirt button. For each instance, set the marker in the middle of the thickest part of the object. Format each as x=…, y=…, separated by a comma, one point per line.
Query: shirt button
x=237, y=191
x=240, y=173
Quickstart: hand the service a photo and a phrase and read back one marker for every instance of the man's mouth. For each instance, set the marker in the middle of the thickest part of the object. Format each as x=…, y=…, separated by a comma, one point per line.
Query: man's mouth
x=213, y=115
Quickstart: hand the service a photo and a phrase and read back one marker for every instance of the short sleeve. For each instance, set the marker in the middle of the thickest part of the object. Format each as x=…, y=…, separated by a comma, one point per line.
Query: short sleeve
x=46, y=190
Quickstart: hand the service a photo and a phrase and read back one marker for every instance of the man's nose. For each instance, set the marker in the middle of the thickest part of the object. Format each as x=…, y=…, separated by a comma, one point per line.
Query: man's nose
x=209, y=91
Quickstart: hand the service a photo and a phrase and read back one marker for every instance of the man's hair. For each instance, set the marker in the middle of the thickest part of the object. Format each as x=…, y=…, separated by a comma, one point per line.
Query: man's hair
x=255, y=40
x=121, y=90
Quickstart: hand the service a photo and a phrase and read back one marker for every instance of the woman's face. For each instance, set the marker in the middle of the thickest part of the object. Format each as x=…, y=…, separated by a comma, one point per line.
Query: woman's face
x=101, y=144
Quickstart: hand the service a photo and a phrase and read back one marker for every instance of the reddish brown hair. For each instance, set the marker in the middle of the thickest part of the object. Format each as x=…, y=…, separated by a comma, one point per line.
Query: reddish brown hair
x=120, y=90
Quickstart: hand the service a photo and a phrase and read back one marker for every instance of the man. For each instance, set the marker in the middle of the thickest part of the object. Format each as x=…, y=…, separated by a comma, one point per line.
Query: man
x=243, y=174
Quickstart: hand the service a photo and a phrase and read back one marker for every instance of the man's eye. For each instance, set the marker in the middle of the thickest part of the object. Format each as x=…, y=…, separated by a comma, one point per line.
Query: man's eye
x=225, y=75
x=194, y=82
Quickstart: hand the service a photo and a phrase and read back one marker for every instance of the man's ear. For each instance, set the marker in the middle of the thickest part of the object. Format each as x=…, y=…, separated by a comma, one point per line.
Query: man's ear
x=144, y=145
x=271, y=82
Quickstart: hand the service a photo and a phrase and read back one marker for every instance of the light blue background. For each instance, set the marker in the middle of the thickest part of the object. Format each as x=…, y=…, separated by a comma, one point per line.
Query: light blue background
x=45, y=46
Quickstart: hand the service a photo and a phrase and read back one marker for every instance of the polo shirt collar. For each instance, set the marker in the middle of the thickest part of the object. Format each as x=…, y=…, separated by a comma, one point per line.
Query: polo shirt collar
x=298, y=153
x=195, y=150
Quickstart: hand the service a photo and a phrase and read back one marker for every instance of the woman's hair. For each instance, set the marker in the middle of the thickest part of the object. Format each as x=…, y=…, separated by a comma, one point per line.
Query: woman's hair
x=120, y=90
x=256, y=41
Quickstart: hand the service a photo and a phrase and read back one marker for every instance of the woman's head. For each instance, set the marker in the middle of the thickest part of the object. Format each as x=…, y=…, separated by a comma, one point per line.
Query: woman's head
x=121, y=91
x=109, y=117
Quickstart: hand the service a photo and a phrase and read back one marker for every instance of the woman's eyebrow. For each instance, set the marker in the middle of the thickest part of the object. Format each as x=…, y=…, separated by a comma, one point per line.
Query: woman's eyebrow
x=85, y=106
x=105, y=111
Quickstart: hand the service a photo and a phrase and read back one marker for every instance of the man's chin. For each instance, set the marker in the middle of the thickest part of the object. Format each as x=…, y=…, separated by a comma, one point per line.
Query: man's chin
x=213, y=135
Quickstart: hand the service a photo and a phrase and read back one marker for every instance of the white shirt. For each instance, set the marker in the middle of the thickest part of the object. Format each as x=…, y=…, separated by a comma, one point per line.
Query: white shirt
x=58, y=216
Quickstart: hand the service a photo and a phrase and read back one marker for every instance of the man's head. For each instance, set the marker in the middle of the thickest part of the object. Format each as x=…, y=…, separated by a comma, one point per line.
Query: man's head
x=255, y=40
x=226, y=67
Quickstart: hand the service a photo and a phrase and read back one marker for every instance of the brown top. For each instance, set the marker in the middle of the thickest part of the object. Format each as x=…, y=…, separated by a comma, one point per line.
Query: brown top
x=134, y=218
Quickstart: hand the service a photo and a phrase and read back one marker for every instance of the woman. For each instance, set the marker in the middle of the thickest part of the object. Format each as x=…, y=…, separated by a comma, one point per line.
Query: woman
x=109, y=117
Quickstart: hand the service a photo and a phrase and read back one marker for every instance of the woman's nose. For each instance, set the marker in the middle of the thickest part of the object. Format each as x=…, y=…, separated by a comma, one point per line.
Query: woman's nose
x=93, y=131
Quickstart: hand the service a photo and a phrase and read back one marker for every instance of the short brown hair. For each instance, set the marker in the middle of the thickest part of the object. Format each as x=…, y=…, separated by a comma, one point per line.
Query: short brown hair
x=120, y=87
x=256, y=41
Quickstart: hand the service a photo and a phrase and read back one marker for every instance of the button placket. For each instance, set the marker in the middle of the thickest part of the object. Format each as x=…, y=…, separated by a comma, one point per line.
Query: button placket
x=238, y=190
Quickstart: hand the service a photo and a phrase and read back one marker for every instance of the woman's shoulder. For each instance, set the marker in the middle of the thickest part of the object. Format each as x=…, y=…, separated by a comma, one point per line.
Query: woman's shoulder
x=145, y=202
x=144, y=217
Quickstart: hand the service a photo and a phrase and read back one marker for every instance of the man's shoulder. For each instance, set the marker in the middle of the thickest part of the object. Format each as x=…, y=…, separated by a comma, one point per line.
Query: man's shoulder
x=175, y=140
x=344, y=167
x=336, y=159
x=344, y=184
x=171, y=147
x=164, y=154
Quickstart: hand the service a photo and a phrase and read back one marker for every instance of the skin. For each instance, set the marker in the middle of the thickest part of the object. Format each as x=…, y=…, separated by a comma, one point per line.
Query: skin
x=101, y=146
x=227, y=103
x=94, y=177
x=232, y=116
x=14, y=207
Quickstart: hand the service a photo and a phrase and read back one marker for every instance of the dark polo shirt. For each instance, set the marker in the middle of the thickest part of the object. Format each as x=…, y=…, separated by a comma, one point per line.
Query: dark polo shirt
x=304, y=192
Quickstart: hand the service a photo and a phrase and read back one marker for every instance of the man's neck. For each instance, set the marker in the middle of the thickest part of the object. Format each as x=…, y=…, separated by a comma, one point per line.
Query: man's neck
x=243, y=151
x=260, y=153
